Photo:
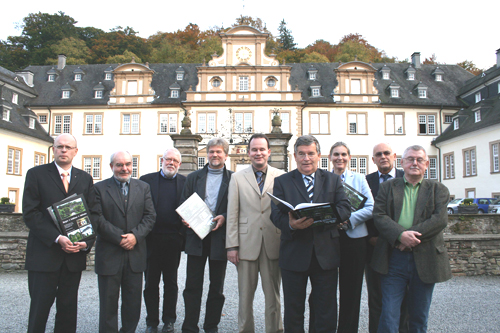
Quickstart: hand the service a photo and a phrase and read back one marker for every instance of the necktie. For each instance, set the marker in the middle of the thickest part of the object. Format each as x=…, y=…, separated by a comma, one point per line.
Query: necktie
x=65, y=180
x=310, y=187
x=124, y=188
x=260, y=180
x=385, y=177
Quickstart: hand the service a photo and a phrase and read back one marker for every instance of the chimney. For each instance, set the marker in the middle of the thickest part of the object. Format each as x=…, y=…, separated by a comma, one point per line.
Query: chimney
x=27, y=76
x=415, y=59
x=498, y=58
x=61, y=62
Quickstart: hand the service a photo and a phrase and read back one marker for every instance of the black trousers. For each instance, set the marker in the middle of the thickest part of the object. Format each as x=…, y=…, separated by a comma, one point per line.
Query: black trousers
x=193, y=291
x=164, y=254
x=323, y=298
x=44, y=287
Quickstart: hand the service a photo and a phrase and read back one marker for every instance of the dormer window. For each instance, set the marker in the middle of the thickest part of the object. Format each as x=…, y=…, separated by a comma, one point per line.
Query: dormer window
x=98, y=94
x=51, y=78
x=32, y=123
x=477, y=97
x=439, y=77
x=315, y=92
x=411, y=76
x=98, y=91
x=66, y=94
x=180, y=76
x=78, y=77
x=15, y=98
x=312, y=72
x=174, y=90
x=179, y=73
x=438, y=74
x=174, y=94
x=410, y=73
x=6, y=114
x=312, y=76
x=108, y=76
x=422, y=90
x=477, y=116
x=78, y=74
x=394, y=88
x=455, y=124
x=108, y=73
x=386, y=73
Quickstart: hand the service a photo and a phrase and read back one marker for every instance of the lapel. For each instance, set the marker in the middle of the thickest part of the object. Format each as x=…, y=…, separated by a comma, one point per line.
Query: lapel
x=398, y=193
x=319, y=180
x=298, y=181
x=373, y=182
x=423, y=196
x=75, y=177
x=271, y=172
x=115, y=194
x=222, y=190
x=250, y=177
x=154, y=187
x=201, y=183
x=133, y=192
x=56, y=177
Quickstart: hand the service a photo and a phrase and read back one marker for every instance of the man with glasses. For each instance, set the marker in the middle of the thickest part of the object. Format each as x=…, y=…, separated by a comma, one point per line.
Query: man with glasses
x=384, y=158
x=410, y=213
x=54, y=263
x=164, y=242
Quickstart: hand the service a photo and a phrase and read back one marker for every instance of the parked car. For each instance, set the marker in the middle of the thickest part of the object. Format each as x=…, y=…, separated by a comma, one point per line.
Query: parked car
x=494, y=207
x=482, y=205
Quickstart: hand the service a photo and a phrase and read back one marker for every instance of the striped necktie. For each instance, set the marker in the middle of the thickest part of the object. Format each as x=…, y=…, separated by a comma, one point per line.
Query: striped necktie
x=385, y=177
x=260, y=180
x=310, y=187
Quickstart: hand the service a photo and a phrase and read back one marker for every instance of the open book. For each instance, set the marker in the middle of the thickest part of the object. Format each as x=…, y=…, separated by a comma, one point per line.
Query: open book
x=321, y=213
x=196, y=212
x=356, y=199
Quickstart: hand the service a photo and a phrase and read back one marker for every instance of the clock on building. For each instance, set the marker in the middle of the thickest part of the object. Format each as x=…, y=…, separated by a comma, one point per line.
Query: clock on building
x=243, y=53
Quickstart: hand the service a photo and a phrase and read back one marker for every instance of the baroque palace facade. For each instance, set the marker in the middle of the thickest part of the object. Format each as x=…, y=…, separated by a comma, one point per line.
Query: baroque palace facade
x=138, y=106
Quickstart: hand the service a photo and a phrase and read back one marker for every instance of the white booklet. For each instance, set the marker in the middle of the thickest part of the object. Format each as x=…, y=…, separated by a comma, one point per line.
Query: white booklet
x=196, y=212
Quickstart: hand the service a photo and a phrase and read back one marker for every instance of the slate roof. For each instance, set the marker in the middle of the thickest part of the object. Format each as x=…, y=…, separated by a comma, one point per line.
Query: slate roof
x=478, y=80
x=166, y=76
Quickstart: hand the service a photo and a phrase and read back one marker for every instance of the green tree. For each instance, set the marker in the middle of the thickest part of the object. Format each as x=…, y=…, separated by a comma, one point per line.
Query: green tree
x=354, y=46
x=116, y=42
x=314, y=57
x=470, y=67
x=75, y=50
x=13, y=57
x=124, y=58
x=285, y=37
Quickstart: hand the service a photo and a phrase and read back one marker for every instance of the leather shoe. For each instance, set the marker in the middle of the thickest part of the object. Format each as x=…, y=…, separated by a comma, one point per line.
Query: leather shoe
x=168, y=328
x=152, y=329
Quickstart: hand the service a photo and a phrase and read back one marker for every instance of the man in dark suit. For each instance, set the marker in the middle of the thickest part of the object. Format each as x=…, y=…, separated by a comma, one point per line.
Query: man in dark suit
x=384, y=158
x=53, y=262
x=410, y=214
x=125, y=215
x=164, y=242
x=309, y=253
x=211, y=184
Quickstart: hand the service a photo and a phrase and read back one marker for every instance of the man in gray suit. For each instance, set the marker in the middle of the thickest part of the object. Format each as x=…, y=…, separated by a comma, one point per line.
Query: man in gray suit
x=125, y=215
x=410, y=214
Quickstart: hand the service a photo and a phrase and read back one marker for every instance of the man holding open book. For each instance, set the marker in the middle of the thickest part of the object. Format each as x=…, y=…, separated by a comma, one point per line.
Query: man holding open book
x=308, y=251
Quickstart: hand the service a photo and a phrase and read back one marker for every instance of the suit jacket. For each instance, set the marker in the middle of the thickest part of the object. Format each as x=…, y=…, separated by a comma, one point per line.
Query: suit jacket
x=197, y=182
x=373, y=180
x=114, y=220
x=248, y=215
x=296, y=246
x=42, y=188
x=430, y=218
x=358, y=218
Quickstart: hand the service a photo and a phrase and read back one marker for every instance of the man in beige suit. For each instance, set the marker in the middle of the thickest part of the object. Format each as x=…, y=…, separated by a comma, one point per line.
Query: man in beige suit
x=252, y=241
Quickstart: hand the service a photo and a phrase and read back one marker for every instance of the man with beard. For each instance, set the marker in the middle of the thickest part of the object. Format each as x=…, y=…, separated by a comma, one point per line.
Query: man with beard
x=211, y=184
x=164, y=243
x=125, y=216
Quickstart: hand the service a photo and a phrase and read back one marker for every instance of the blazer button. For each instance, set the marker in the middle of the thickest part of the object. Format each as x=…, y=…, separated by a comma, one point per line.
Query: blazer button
x=262, y=212
x=260, y=228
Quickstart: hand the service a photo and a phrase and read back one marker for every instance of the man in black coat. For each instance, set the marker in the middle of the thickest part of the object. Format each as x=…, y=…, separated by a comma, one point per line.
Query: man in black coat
x=125, y=215
x=164, y=242
x=309, y=253
x=211, y=184
x=384, y=158
x=53, y=262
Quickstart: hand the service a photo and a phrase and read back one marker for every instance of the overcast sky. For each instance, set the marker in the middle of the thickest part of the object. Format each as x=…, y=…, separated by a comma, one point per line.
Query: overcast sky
x=454, y=31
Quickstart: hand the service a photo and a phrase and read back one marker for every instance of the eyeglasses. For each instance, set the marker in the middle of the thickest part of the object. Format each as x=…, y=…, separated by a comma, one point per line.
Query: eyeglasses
x=64, y=147
x=302, y=155
x=168, y=160
x=380, y=153
x=412, y=160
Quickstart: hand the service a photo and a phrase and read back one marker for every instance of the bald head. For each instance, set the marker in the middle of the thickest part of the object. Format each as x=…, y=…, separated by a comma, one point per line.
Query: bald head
x=64, y=150
x=383, y=157
x=121, y=164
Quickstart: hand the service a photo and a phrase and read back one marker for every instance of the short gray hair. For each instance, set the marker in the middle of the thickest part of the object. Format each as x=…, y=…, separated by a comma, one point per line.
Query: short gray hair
x=414, y=148
x=218, y=142
x=116, y=152
x=306, y=140
x=338, y=144
x=174, y=150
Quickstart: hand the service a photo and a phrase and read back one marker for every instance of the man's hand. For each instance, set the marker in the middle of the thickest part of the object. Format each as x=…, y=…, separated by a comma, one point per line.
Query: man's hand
x=409, y=238
x=68, y=245
x=302, y=223
x=232, y=256
x=128, y=241
x=220, y=221
x=82, y=245
x=186, y=224
x=401, y=247
x=372, y=241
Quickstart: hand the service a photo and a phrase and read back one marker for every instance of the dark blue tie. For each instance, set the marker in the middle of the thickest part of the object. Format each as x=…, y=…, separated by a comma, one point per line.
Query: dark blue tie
x=310, y=187
x=385, y=177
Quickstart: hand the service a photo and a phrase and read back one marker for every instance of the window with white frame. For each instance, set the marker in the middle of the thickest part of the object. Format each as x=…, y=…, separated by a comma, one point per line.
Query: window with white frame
x=206, y=122
x=135, y=166
x=6, y=114
x=427, y=124
x=201, y=162
x=455, y=124
x=15, y=98
x=78, y=77
x=477, y=116
x=439, y=77
x=39, y=158
x=448, y=118
x=62, y=123
x=449, y=166
x=98, y=94
x=312, y=75
x=168, y=123
x=494, y=156
x=174, y=93
x=411, y=76
x=92, y=165
x=42, y=118
x=180, y=76
x=386, y=76
x=315, y=92
x=394, y=92
x=431, y=172
x=422, y=93
x=31, y=123
x=66, y=94
x=323, y=163
x=359, y=164
x=243, y=83
x=131, y=123
x=108, y=76
x=357, y=123
x=319, y=122
x=51, y=78
x=398, y=161
x=394, y=123
x=477, y=97
x=243, y=122
x=14, y=157
x=93, y=123
x=470, y=168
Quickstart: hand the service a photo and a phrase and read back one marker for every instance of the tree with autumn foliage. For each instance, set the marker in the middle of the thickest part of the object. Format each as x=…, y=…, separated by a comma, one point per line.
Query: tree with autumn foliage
x=116, y=42
x=470, y=67
x=354, y=46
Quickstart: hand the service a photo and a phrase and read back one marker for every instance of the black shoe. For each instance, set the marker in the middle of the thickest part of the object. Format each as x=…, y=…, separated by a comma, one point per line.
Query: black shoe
x=152, y=329
x=168, y=328
x=212, y=330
